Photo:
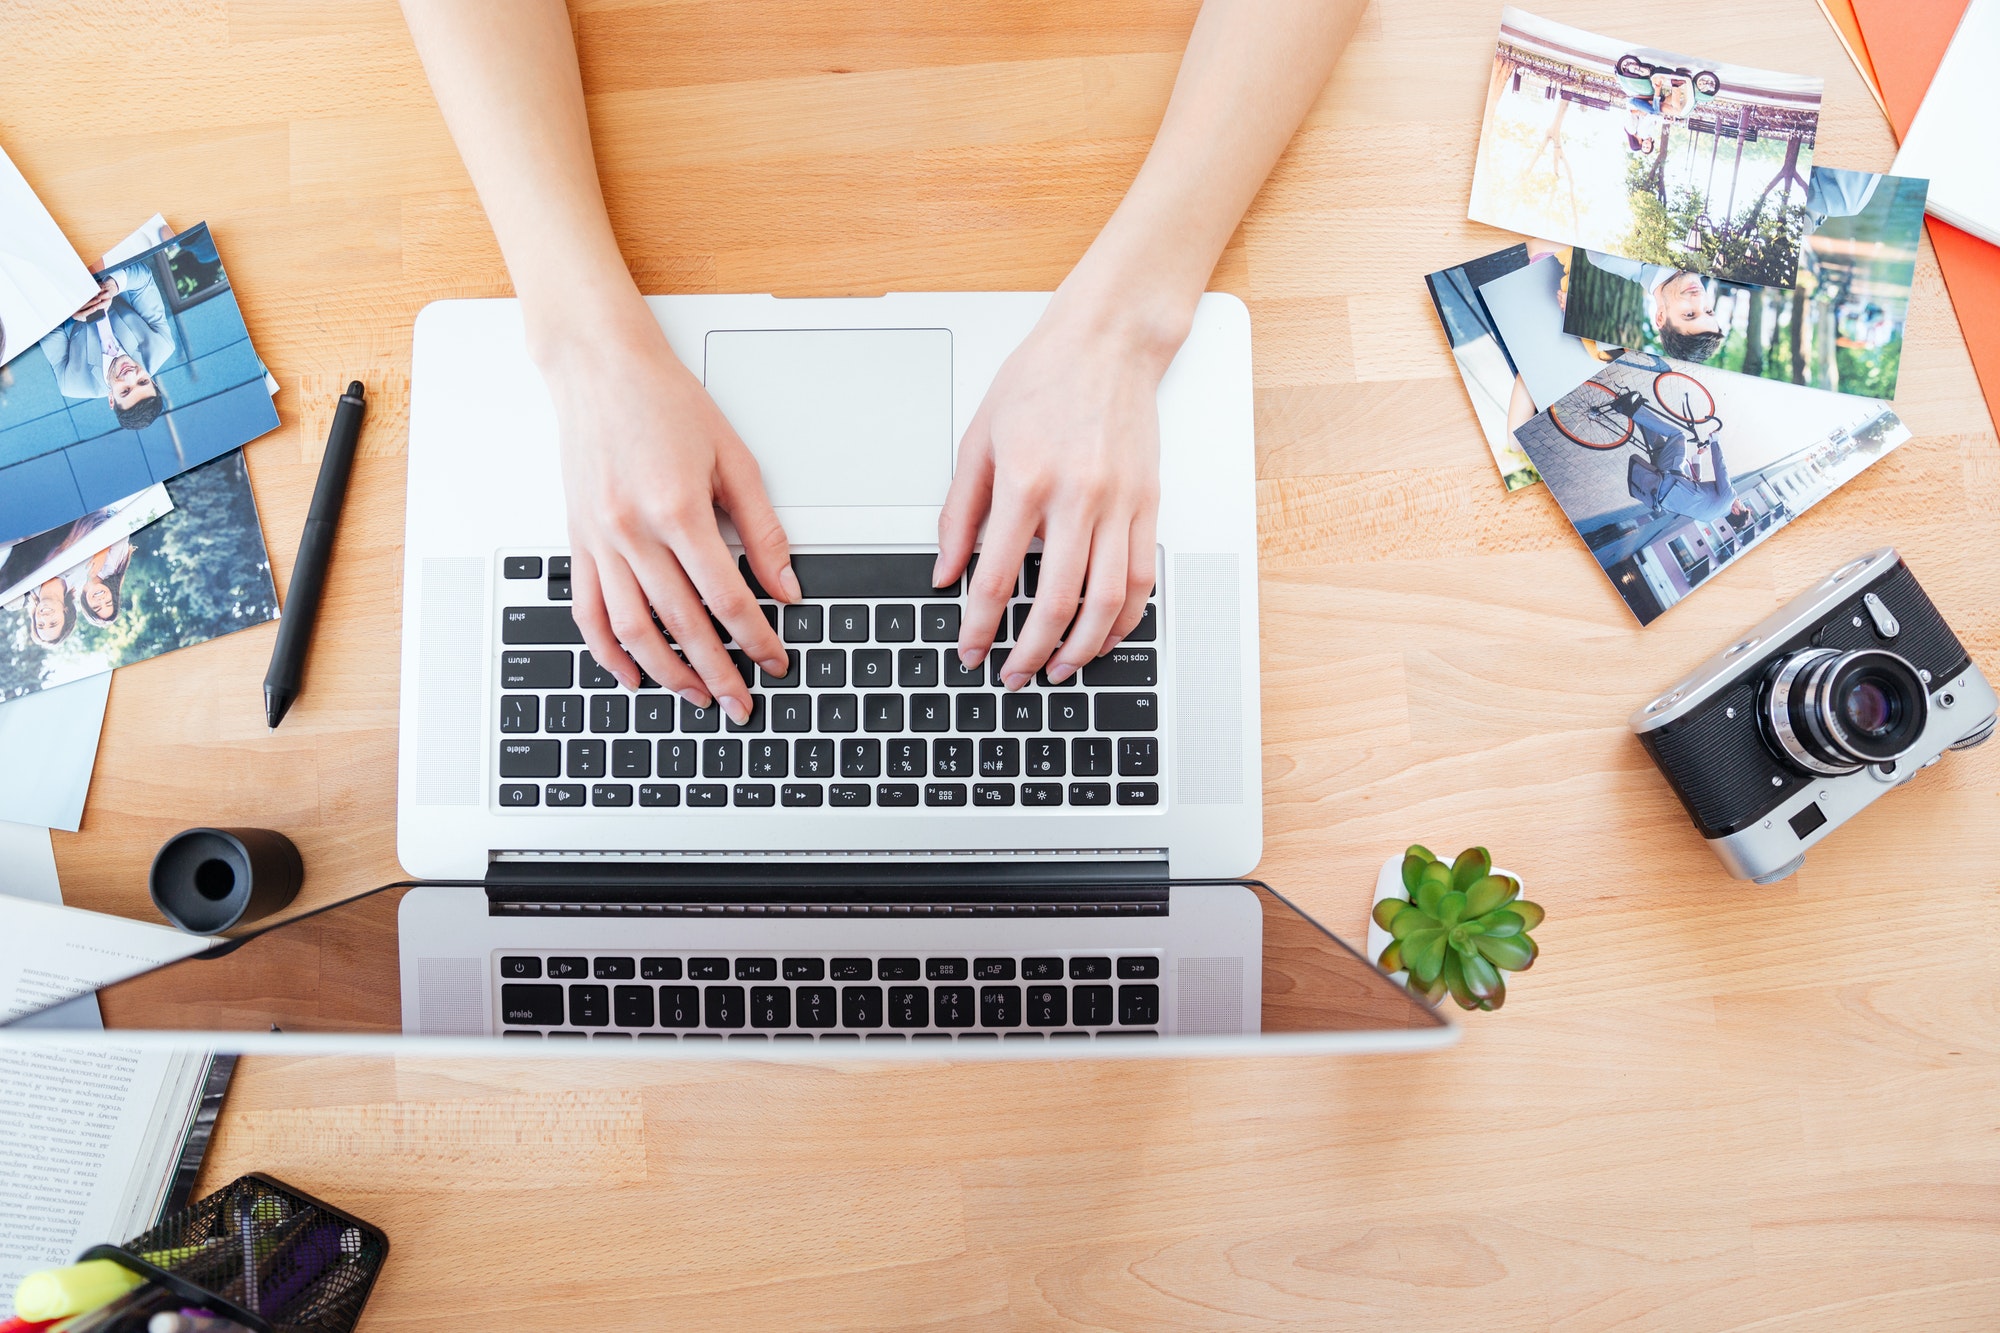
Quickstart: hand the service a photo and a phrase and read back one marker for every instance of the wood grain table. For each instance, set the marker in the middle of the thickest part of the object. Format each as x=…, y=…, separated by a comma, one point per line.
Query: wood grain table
x=1710, y=1106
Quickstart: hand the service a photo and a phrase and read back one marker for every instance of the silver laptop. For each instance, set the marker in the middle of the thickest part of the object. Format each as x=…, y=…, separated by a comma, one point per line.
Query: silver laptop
x=891, y=847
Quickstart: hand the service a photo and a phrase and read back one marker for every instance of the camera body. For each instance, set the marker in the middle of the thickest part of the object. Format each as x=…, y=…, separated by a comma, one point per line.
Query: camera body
x=1840, y=697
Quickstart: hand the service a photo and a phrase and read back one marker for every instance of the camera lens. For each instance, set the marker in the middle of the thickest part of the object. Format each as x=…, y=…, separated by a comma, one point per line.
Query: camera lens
x=1830, y=712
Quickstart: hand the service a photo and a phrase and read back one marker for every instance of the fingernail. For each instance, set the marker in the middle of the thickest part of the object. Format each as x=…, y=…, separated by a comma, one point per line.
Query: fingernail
x=629, y=682
x=971, y=657
x=791, y=582
x=1116, y=639
x=739, y=712
x=1060, y=672
x=1014, y=680
x=697, y=698
x=937, y=573
x=777, y=666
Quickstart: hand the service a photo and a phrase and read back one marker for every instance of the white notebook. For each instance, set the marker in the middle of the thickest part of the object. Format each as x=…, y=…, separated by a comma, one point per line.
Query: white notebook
x=1951, y=142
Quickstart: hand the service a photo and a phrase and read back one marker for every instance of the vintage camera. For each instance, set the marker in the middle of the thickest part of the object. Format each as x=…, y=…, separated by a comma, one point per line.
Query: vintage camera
x=1840, y=697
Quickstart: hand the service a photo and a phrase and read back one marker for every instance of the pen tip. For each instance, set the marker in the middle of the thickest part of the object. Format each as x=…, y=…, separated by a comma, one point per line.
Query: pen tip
x=355, y=388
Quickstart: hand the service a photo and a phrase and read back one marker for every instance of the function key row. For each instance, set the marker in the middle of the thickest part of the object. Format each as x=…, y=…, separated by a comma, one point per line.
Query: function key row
x=576, y=967
x=835, y=795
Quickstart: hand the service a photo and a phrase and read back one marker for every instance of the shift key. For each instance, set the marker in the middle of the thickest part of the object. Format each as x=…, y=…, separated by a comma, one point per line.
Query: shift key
x=538, y=624
x=1127, y=712
x=1123, y=666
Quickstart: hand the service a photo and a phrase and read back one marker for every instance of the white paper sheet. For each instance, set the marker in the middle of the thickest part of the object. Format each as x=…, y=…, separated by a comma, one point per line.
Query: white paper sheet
x=1950, y=141
x=28, y=870
x=48, y=746
x=48, y=953
x=42, y=282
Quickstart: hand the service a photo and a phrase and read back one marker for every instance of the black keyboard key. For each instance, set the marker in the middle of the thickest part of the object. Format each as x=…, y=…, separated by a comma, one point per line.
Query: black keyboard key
x=566, y=795
x=1090, y=757
x=530, y=759
x=559, y=590
x=539, y=1005
x=960, y=677
x=951, y=757
x=1031, y=573
x=698, y=720
x=895, y=623
x=569, y=968
x=708, y=969
x=992, y=969
x=586, y=759
x=993, y=793
x=722, y=759
x=756, y=795
x=861, y=1006
x=770, y=1006
x=1089, y=969
x=653, y=712
x=870, y=575
x=1138, y=1006
x=769, y=759
x=521, y=567
x=1124, y=666
x=1138, y=756
x=812, y=758
x=1092, y=1005
x=977, y=712
x=610, y=714
x=946, y=794
x=930, y=712
x=791, y=712
x=788, y=681
x=881, y=712
x=564, y=713
x=805, y=969
x=1021, y=712
x=518, y=969
x=947, y=969
x=707, y=795
x=861, y=758
x=1127, y=712
x=953, y=1007
x=898, y=969
x=722, y=1007
x=680, y=1007
x=847, y=623
x=848, y=795
x=558, y=566
x=1041, y=793
x=756, y=969
x=1148, y=628
x=816, y=1007
x=999, y=1006
x=537, y=671
x=1069, y=712
x=904, y=758
x=589, y=1006
x=852, y=969
x=538, y=624
x=660, y=969
x=838, y=712
x=1042, y=757
x=677, y=758
x=746, y=669
x=873, y=668
x=1138, y=793
x=801, y=795
x=1140, y=968
x=909, y=1007
x=940, y=622
x=612, y=794
x=895, y=795
x=613, y=969
x=520, y=713
x=804, y=623
x=999, y=757
x=592, y=676
x=917, y=668
x=1041, y=969
x=1048, y=1006
x=755, y=722
x=632, y=1006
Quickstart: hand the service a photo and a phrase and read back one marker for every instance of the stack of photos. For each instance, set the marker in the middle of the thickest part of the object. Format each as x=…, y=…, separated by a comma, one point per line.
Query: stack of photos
x=152, y=375
x=78, y=604
x=1670, y=159
x=1670, y=471
x=1840, y=328
x=1483, y=363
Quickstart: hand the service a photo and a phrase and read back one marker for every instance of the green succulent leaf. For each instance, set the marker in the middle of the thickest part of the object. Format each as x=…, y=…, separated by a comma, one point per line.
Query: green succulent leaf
x=1432, y=885
x=1506, y=952
x=1453, y=977
x=1392, y=957
x=1385, y=911
x=1473, y=864
x=1530, y=914
x=1450, y=909
x=1414, y=862
x=1419, y=851
x=1497, y=998
x=1480, y=976
x=1424, y=953
x=1501, y=923
x=1490, y=893
x=1409, y=920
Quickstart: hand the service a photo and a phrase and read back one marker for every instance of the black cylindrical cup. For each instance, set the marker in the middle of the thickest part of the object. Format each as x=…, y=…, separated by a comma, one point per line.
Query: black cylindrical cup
x=209, y=879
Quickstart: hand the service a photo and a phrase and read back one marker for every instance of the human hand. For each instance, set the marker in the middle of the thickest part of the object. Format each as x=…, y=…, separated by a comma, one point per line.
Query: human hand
x=1066, y=447
x=647, y=458
x=107, y=288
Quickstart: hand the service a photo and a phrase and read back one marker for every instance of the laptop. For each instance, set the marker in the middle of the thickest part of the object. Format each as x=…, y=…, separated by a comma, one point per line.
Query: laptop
x=892, y=848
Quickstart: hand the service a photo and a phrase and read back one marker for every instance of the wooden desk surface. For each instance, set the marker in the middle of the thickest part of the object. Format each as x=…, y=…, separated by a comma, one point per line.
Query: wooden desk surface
x=1710, y=1106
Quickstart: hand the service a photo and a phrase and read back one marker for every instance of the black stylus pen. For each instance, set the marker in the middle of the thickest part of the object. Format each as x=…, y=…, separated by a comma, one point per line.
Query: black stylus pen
x=295, y=624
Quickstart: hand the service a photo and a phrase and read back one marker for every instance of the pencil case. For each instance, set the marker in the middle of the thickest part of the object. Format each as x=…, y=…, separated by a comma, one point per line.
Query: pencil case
x=263, y=1254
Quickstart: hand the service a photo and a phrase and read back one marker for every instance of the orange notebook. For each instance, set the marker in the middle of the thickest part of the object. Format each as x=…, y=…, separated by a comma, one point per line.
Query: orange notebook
x=1905, y=41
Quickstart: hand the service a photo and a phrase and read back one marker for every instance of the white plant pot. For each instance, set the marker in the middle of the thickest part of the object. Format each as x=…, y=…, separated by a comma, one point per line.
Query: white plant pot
x=1389, y=884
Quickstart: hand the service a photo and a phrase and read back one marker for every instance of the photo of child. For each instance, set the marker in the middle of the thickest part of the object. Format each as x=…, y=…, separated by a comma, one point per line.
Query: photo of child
x=1691, y=165
x=1840, y=328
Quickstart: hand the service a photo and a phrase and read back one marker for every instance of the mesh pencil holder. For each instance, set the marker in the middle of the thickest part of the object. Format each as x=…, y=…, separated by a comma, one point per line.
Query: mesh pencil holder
x=261, y=1253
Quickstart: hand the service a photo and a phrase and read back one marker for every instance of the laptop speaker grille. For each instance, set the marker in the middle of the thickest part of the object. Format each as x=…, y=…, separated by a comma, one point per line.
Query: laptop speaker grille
x=449, y=682
x=1210, y=994
x=451, y=997
x=1208, y=661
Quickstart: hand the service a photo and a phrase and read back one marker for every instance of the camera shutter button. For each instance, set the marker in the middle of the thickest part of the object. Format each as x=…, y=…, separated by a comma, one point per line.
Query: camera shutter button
x=1886, y=624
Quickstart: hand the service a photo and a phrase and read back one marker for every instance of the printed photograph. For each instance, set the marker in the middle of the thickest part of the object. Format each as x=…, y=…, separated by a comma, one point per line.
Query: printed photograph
x=152, y=375
x=1482, y=360
x=42, y=282
x=1526, y=306
x=1670, y=472
x=1669, y=159
x=197, y=574
x=33, y=560
x=1840, y=328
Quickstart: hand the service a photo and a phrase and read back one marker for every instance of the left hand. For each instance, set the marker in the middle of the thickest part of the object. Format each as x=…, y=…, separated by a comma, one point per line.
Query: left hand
x=1066, y=447
x=107, y=288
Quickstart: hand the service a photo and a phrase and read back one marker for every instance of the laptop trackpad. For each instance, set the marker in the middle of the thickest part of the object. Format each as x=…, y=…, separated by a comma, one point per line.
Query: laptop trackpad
x=839, y=417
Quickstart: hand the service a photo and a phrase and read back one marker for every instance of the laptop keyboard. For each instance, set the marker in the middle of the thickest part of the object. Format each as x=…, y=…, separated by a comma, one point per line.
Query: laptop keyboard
x=874, y=713
x=829, y=998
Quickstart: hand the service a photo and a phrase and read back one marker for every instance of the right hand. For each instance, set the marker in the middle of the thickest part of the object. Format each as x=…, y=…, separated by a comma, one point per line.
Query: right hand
x=647, y=459
x=107, y=288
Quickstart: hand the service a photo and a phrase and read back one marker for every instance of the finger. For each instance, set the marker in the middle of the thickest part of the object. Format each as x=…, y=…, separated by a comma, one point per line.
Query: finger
x=1065, y=558
x=1142, y=557
x=740, y=489
x=698, y=549
x=966, y=503
x=1009, y=529
x=1103, y=602
x=586, y=608
x=679, y=605
x=614, y=594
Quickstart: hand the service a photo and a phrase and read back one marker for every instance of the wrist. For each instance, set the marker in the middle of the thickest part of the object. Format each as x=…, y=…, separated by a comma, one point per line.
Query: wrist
x=581, y=317
x=1140, y=313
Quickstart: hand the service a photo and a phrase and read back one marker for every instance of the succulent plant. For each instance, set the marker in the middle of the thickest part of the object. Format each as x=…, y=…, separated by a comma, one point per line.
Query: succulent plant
x=1462, y=927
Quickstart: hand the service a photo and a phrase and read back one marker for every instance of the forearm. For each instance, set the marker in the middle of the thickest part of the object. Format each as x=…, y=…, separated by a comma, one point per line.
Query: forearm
x=512, y=96
x=1252, y=70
